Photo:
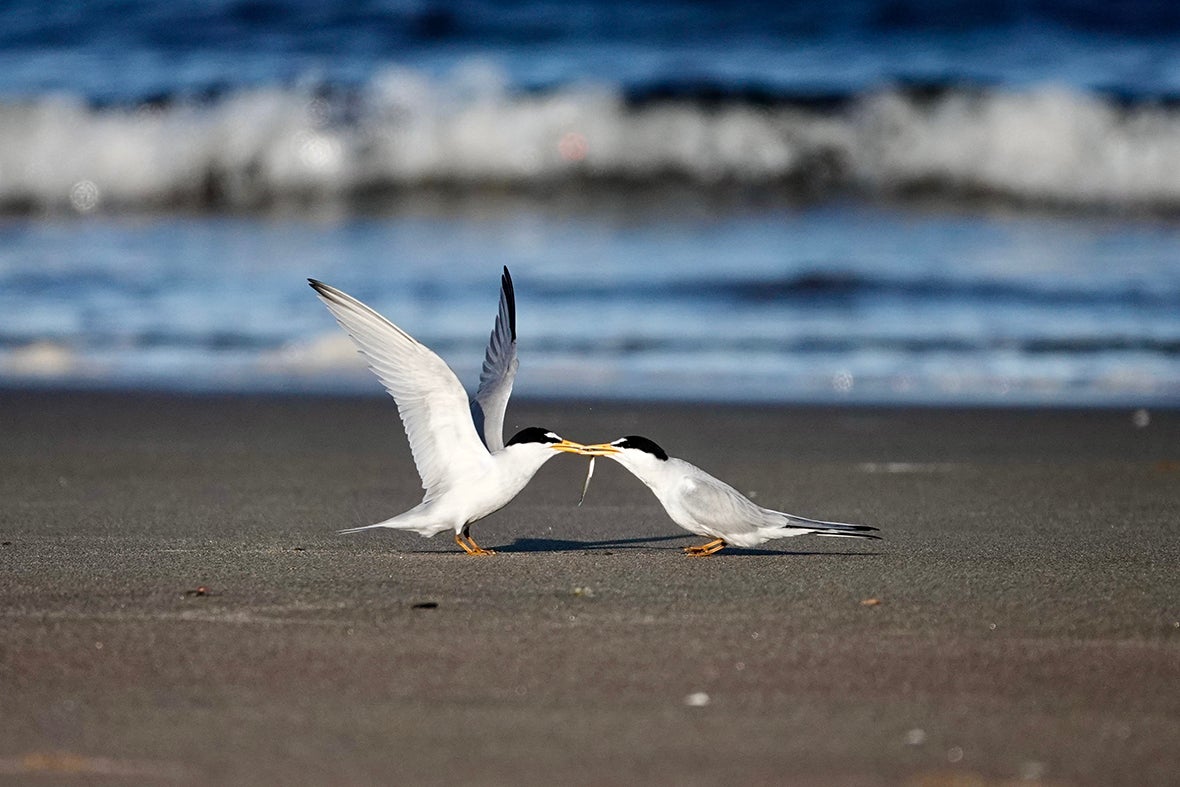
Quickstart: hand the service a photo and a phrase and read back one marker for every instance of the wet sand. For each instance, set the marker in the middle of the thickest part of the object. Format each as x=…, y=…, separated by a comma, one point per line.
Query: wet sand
x=177, y=607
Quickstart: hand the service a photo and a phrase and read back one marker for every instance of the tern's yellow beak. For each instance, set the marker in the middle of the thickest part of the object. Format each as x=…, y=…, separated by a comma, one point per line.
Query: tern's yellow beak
x=568, y=446
x=598, y=449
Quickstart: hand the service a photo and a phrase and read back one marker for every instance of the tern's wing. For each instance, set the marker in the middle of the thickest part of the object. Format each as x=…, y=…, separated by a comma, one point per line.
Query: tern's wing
x=432, y=403
x=727, y=511
x=717, y=505
x=499, y=370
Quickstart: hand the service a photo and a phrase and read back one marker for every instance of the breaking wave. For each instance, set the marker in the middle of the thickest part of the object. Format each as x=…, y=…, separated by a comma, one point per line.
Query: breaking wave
x=822, y=286
x=403, y=131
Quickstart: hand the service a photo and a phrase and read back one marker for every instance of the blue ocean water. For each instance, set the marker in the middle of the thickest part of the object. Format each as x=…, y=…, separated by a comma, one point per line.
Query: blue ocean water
x=861, y=200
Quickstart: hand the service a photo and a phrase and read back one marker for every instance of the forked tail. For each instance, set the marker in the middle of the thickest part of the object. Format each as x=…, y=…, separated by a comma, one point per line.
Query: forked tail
x=818, y=527
x=362, y=527
x=416, y=519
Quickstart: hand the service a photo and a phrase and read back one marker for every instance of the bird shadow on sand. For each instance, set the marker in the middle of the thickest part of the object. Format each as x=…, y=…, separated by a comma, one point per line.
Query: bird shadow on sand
x=743, y=552
x=561, y=545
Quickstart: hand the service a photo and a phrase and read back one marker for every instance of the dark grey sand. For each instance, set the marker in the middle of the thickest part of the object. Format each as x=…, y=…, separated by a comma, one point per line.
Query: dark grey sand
x=1028, y=624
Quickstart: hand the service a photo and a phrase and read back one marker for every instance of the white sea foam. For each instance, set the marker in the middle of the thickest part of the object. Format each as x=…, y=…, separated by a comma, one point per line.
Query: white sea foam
x=1049, y=144
x=325, y=354
x=39, y=359
x=404, y=130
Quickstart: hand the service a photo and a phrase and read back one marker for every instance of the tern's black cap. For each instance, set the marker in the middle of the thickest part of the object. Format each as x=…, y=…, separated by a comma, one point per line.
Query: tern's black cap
x=534, y=434
x=641, y=443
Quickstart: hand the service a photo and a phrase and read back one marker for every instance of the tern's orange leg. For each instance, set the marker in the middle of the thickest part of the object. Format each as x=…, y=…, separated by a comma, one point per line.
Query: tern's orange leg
x=700, y=550
x=468, y=545
x=478, y=549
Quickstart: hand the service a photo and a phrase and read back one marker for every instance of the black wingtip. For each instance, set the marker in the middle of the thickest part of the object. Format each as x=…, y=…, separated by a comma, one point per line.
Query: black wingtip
x=510, y=296
x=316, y=285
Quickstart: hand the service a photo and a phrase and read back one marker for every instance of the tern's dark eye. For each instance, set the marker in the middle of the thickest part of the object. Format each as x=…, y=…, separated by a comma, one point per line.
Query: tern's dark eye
x=641, y=444
x=534, y=434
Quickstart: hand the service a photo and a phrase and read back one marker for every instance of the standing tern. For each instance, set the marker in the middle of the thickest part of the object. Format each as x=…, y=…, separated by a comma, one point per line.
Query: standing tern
x=709, y=507
x=467, y=474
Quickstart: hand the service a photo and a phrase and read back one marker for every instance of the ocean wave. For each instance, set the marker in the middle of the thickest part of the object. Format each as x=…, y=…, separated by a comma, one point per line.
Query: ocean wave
x=404, y=131
x=822, y=286
x=331, y=351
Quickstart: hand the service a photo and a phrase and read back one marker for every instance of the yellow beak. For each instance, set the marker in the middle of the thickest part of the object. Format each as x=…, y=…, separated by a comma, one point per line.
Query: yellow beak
x=568, y=446
x=599, y=449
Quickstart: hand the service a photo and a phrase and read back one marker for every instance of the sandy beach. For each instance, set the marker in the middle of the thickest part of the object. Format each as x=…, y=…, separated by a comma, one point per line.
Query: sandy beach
x=177, y=607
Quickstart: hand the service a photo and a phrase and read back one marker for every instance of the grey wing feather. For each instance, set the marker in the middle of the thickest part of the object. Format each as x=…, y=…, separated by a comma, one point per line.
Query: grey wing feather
x=802, y=521
x=717, y=505
x=430, y=400
x=499, y=371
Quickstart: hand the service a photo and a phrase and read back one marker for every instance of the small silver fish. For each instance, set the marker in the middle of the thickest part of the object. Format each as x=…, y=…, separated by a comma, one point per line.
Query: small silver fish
x=589, y=475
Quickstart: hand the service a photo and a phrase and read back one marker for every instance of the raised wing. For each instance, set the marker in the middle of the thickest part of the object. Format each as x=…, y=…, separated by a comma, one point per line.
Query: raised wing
x=499, y=370
x=432, y=403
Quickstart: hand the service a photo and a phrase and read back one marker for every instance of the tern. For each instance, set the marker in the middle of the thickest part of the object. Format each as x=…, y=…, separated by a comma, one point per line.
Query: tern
x=467, y=474
x=707, y=506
